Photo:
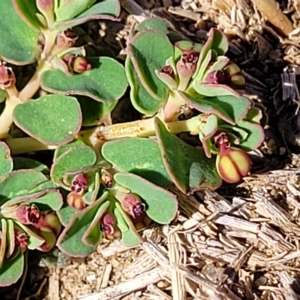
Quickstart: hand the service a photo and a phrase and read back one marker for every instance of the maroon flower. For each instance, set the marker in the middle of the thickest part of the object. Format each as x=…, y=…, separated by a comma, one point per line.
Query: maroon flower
x=7, y=77
x=21, y=239
x=108, y=226
x=79, y=184
x=27, y=214
x=133, y=205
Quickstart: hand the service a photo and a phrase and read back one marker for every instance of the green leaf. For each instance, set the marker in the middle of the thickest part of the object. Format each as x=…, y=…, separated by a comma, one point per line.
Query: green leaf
x=130, y=237
x=106, y=9
x=64, y=148
x=20, y=182
x=255, y=136
x=70, y=240
x=93, y=234
x=73, y=159
x=94, y=112
x=229, y=108
x=28, y=11
x=34, y=240
x=106, y=82
x=66, y=213
x=188, y=167
x=52, y=200
x=140, y=156
x=161, y=205
x=12, y=270
x=11, y=245
x=148, y=52
x=68, y=9
x=18, y=43
x=6, y=162
x=213, y=89
x=51, y=119
x=29, y=163
x=4, y=241
x=48, y=199
x=141, y=100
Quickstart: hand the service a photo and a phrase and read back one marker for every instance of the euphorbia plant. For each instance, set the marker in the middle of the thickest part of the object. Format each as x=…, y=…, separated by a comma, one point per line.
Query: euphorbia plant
x=109, y=180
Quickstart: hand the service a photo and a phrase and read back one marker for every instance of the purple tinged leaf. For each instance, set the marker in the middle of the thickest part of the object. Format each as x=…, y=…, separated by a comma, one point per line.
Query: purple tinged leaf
x=228, y=108
x=46, y=7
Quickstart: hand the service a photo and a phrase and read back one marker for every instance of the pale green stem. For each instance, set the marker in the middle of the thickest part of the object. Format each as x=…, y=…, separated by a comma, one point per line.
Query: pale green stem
x=140, y=128
x=25, y=145
x=95, y=137
x=6, y=117
x=34, y=83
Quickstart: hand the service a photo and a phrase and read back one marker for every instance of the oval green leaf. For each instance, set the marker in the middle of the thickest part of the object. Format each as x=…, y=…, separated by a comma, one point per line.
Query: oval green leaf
x=18, y=43
x=52, y=119
x=105, y=82
x=140, y=156
x=161, y=205
x=73, y=159
x=148, y=52
x=141, y=100
x=229, y=108
x=188, y=167
x=70, y=240
x=20, y=182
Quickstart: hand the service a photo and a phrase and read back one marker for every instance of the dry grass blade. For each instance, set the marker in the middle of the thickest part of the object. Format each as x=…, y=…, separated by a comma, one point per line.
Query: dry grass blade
x=119, y=290
x=271, y=10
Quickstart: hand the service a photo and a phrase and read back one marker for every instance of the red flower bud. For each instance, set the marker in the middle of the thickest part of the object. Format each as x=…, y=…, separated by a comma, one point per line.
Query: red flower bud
x=232, y=163
x=80, y=65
